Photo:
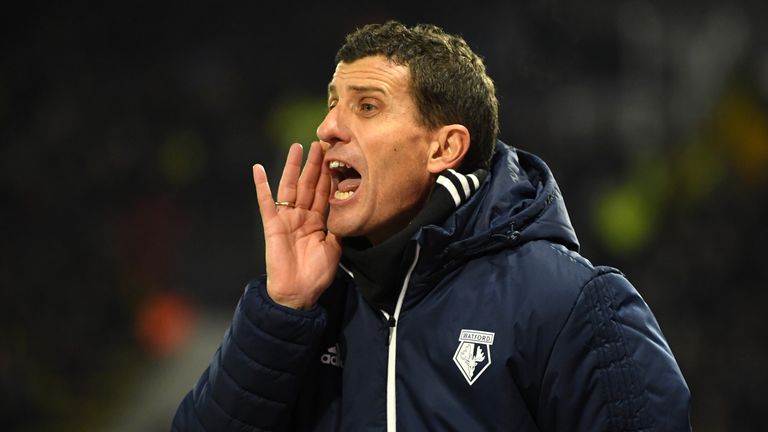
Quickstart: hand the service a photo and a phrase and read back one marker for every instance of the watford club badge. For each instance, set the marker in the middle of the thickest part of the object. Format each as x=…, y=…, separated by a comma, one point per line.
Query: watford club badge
x=473, y=356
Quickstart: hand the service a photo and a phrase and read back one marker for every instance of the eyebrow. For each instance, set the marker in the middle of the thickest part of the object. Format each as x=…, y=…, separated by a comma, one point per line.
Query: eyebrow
x=358, y=89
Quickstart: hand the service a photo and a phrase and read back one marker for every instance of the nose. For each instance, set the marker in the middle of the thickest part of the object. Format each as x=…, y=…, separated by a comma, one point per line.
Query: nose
x=333, y=128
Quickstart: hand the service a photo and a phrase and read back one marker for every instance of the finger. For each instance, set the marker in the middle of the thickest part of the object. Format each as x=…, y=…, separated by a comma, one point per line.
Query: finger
x=263, y=194
x=325, y=146
x=322, y=191
x=309, y=176
x=286, y=191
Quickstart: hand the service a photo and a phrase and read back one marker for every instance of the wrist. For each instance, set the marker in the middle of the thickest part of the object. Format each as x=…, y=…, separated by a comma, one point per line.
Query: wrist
x=290, y=301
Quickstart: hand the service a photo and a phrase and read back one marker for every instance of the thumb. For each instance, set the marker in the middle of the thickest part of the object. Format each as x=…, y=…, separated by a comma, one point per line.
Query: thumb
x=333, y=240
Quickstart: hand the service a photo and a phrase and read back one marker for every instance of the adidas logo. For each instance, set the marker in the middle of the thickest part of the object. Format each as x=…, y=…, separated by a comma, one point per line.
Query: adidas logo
x=331, y=357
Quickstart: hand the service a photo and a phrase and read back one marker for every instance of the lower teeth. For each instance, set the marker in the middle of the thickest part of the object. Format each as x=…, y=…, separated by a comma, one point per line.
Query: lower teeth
x=342, y=195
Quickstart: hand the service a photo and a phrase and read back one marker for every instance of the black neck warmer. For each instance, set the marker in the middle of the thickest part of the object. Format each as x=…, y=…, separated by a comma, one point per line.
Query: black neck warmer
x=379, y=271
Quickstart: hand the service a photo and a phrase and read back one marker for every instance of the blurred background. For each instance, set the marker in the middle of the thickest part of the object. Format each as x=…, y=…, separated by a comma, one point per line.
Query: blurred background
x=129, y=225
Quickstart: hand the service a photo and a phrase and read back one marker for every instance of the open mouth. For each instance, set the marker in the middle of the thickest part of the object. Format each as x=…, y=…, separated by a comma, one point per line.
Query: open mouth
x=346, y=180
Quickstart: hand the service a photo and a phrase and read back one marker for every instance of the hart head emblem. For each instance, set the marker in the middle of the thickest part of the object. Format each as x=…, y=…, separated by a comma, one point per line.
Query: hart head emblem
x=473, y=355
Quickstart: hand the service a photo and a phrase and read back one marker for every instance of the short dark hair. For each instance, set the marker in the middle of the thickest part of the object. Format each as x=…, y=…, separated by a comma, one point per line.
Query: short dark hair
x=450, y=83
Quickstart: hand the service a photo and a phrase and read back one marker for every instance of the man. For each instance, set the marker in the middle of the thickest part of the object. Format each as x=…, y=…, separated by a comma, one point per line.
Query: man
x=443, y=289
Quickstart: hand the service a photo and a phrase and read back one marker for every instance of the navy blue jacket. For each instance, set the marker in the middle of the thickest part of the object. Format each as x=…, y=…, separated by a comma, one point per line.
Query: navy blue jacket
x=501, y=325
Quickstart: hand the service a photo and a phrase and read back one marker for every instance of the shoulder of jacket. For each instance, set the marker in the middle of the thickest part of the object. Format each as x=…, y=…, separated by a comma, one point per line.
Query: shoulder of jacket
x=539, y=255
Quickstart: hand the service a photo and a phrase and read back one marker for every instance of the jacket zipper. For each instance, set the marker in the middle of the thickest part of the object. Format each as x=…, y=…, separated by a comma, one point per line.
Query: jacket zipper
x=392, y=345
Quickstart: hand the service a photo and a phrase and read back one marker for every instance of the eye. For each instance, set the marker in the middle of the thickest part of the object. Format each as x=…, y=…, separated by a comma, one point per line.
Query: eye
x=367, y=108
x=332, y=103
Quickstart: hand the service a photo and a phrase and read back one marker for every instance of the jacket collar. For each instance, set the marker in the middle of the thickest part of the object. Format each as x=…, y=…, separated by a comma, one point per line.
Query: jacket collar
x=379, y=270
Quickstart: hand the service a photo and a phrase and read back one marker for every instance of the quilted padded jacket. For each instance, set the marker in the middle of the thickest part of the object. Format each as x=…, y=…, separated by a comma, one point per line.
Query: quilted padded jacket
x=500, y=325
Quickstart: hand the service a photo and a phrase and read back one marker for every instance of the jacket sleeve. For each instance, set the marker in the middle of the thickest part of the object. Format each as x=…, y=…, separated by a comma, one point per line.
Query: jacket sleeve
x=254, y=378
x=611, y=368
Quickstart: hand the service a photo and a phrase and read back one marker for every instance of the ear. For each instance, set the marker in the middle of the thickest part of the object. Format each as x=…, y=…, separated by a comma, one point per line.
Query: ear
x=450, y=145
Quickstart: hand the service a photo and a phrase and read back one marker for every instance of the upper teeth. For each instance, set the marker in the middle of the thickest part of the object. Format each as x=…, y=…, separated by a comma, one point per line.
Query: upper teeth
x=337, y=164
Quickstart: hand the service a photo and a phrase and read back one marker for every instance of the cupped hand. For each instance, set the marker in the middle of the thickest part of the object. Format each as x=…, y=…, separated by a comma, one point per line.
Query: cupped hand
x=301, y=256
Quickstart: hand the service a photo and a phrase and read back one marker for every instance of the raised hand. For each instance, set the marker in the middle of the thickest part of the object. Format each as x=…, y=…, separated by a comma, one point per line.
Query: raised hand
x=301, y=257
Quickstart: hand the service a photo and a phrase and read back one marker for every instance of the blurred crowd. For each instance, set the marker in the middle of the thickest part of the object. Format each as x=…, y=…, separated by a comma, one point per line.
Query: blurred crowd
x=128, y=131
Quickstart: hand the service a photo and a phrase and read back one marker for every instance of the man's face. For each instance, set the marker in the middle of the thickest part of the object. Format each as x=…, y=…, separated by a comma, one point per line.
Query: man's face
x=378, y=150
